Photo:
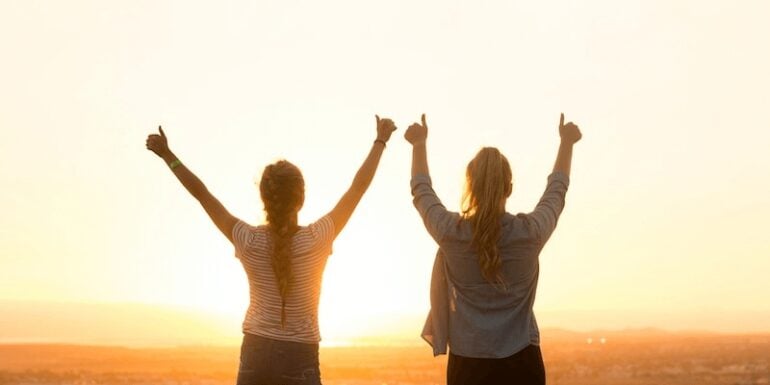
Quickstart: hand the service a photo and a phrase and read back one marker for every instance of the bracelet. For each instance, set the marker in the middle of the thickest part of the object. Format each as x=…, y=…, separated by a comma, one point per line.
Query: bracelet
x=381, y=141
x=174, y=164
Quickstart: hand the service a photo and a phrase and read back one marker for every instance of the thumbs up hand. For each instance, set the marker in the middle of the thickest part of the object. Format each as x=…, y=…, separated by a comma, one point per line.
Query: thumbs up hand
x=569, y=132
x=417, y=133
x=158, y=143
x=385, y=127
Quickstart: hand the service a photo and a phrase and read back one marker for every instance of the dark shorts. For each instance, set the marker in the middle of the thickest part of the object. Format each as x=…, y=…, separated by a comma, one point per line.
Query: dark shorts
x=265, y=361
x=525, y=368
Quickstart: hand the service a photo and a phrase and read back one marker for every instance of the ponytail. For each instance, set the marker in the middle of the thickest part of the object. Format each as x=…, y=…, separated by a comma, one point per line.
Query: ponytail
x=488, y=177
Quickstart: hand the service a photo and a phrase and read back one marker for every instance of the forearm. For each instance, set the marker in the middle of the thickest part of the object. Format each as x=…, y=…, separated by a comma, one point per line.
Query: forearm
x=365, y=174
x=564, y=158
x=190, y=182
x=419, y=159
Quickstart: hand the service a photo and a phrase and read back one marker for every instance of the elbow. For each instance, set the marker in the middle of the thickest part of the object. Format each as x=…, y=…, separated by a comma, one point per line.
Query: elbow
x=357, y=189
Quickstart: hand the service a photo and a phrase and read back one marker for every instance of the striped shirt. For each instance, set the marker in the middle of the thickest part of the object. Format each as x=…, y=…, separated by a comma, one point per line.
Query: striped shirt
x=311, y=247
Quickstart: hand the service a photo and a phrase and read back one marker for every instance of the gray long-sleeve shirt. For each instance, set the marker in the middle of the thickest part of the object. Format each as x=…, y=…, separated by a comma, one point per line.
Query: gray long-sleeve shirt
x=473, y=316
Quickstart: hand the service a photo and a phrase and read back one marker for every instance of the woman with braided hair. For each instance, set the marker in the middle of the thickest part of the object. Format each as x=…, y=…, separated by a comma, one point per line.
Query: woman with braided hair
x=486, y=269
x=284, y=262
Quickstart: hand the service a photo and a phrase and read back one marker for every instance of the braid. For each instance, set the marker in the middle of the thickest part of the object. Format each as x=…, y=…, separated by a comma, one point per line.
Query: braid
x=283, y=192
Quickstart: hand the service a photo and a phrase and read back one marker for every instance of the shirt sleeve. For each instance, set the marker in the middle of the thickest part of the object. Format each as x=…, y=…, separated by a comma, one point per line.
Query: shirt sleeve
x=551, y=204
x=241, y=237
x=437, y=219
x=323, y=231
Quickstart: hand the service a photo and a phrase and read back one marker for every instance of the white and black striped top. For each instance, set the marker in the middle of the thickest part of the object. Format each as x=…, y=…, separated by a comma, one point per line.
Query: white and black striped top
x=311, y=247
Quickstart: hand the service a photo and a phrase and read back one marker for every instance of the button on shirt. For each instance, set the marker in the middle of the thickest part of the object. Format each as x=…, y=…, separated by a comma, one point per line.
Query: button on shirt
x=474, y=317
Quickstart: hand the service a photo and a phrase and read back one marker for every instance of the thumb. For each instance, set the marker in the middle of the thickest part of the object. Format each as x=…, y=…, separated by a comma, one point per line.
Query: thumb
x=378, y=119
x=561, y=120
x=423, y=121
x=163, y=134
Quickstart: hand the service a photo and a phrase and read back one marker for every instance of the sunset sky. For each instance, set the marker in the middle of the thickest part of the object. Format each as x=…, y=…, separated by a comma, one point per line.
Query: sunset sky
x=666, y=217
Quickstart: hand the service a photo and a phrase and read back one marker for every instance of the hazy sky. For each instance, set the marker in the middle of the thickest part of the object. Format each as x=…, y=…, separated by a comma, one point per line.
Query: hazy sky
x=665, y=223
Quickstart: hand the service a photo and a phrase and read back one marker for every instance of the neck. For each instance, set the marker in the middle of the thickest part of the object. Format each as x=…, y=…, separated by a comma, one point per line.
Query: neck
x=290, y=222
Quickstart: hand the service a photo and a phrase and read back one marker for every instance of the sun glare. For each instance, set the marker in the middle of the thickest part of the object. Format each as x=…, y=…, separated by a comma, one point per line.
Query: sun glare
x=668, y=192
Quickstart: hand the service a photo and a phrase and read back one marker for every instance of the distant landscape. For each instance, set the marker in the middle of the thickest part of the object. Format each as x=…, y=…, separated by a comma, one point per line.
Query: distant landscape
x=621, y=357
x=115, y=271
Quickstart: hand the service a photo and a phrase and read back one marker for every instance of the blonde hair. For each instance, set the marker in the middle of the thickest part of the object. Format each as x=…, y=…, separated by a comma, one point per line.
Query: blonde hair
x=488, y=184
x=282, y=189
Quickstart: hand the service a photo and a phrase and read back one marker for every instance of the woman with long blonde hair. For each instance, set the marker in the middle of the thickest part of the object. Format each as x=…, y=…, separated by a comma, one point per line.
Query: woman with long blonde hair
x=486, y=270
x=284, y=262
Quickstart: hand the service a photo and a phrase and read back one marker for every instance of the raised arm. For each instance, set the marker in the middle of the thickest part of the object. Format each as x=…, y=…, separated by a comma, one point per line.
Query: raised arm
x=570, y=134
x=347, y=204
x=549, y=208
x=437, y=219
x=216, y=211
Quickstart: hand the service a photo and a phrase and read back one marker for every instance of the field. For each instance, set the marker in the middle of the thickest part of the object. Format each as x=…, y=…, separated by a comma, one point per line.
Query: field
x=633, y=358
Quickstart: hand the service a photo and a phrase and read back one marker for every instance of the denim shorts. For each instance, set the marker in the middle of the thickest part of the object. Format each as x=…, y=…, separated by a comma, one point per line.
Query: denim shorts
x=266, y=361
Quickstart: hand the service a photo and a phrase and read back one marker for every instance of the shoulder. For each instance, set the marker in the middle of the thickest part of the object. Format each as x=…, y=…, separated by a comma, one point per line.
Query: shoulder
x=319, y=234
x=518, y=226
x=244, y=233
x=455, y=227
x=321, y=228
